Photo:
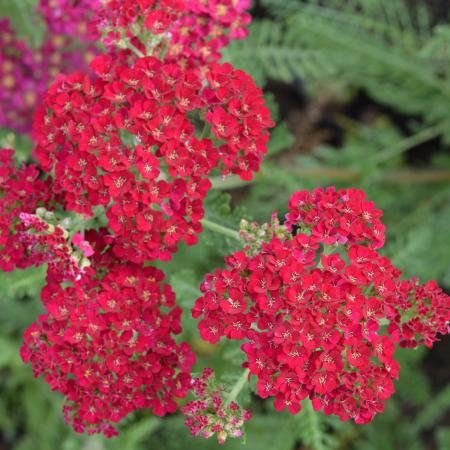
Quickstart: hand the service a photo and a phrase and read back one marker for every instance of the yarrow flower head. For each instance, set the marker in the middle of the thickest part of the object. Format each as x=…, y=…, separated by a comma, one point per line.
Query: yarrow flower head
x=106, y=343
x=124, y=140
x=312, y=310
x=190, y=33
x=211, y=413
x=331, y=216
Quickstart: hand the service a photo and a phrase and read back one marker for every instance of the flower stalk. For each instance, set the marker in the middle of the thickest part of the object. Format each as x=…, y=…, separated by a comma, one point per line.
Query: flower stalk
x=238, y=386
x=225, y=231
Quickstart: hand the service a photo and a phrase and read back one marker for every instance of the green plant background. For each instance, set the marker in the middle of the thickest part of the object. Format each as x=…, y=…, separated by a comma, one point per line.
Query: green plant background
x=361, y=93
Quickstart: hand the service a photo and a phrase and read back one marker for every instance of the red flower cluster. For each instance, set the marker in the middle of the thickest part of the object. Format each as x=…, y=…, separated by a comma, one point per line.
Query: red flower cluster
x=211, y=414
x=187, y=32
x=314, y=319
x=124, y=140
x=239, y=117
x=20, y=192
x=204, y=29
x=331, y=216
x=25, y=73
x=320, y=310
x=127, y=141
x=70, y=17
x=106, y=344
x=423, y=315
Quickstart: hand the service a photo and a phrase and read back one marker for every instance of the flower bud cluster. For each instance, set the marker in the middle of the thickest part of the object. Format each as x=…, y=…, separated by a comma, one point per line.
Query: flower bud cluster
x=211, y=413
x=254, y=235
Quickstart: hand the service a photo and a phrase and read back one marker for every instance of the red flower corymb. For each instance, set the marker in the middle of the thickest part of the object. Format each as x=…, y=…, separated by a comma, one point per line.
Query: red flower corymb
x=188, y=33
x=106, y=342
x=313, y=314
x=124, y=141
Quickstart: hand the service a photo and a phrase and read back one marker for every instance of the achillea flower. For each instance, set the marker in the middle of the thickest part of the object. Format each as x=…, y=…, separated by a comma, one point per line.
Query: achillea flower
x=106, y=343
x=331, y=216
x=124, y=140
x=190, y=33
x=313, y=314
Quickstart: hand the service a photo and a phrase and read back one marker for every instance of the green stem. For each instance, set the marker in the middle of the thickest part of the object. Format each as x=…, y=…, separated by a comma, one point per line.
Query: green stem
x=240, y=383
x=134, y=49
x=410, y=142
x=164, y=49
x=33, y=276
x=230, y=182
x=205, y=129
x=403, y=176
x=220, y=229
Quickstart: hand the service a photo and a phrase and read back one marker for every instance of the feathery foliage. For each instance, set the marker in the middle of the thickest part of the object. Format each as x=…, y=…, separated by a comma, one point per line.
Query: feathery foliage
x=382, y=46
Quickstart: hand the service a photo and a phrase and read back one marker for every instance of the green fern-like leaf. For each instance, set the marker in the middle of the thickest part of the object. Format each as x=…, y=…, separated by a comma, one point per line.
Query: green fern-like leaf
x=312, y=429
x=378, y=45
x=20, y=298
x=273, y=51
x=434, y=409
x=443, y=438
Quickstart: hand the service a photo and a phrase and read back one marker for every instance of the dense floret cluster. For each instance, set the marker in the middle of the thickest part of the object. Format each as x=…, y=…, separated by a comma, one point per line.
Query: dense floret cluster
x=124, y=140
x=314, y=315
x=330, y=216
x=106, y=342
x=190, y=33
